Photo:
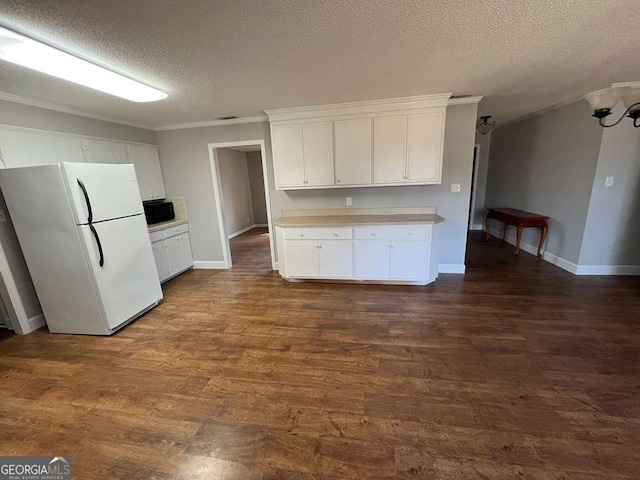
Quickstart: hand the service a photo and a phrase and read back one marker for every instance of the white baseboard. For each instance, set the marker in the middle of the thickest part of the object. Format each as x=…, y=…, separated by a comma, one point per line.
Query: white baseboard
x=36, y=323
x=533, y=250
x=275, y=266
x=608, y=270
x=240, y=232
x=451, y=268
x=210, y=265
x=477, y=226
x=261, y=225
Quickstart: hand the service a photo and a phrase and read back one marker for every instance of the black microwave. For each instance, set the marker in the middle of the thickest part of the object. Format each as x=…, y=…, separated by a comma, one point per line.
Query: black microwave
x=158, y=212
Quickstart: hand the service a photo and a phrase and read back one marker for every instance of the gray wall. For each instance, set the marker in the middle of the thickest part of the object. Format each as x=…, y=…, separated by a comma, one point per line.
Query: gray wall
x=482, y=169
x=185, y=164
x=236, y=192
x=34, y=117
x=612, y=233
x=546, y=164
x=43, y=119
x=256, y=182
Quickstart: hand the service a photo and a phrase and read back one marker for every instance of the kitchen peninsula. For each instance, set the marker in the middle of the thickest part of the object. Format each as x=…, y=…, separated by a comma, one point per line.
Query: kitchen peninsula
x=375, y=245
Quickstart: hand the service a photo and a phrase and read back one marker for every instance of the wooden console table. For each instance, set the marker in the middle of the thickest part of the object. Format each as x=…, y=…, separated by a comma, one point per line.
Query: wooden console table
x=521, y=220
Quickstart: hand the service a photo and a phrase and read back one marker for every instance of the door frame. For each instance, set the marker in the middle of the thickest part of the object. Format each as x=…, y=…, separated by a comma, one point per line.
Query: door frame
x=217, y=191
x=474, y=186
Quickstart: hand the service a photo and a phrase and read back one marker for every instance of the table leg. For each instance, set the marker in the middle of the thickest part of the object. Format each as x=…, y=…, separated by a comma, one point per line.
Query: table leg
x=518, y=237
x=504, y=233
x=544, y=229
x=487, y=224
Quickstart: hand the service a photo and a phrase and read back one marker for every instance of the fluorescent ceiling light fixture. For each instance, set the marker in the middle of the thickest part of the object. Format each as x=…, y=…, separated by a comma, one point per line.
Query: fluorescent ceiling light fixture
x=21, y=50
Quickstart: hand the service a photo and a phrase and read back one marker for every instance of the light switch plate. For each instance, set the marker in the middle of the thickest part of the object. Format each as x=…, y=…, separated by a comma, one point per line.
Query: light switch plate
x=349, y=201
x=455, y=187
x=608, y=182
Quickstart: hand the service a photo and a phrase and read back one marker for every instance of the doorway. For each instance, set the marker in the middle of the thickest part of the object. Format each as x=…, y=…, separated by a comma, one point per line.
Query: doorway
x=241, y=191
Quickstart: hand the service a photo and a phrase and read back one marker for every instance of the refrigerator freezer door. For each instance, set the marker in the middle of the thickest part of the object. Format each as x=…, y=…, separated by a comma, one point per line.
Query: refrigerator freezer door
x=127, y=282
x=111, y=191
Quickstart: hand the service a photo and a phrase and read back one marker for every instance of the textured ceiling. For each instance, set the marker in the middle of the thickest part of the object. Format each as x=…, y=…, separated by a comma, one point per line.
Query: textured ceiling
x=240, y=57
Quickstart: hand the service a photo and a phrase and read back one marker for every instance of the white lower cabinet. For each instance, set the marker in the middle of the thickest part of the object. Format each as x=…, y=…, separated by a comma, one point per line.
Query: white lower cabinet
x=381, y=253
x=172, y=251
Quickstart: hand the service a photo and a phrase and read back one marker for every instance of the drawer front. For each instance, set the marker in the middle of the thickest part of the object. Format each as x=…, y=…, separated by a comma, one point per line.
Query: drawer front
x=393, y=232
x=318, y=233
x=173, y=231
x=156, y=236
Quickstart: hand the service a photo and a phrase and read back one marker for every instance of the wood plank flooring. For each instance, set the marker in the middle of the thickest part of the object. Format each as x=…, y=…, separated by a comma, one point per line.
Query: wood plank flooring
x=516, y=370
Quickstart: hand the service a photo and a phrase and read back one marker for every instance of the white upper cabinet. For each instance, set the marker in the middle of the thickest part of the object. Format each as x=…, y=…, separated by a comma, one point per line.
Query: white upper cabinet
x=353, y=151
x=389, y=149
x=425, y=141
x=65, y=149
x=305, y=154
x=148, y=171
x=102, y=151
x=22, y=149
x=317, y=146
x=287, y=147
x=361, y=144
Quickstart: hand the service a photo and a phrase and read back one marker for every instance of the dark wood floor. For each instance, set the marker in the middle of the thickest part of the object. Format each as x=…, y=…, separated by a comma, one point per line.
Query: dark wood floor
x=516, y=370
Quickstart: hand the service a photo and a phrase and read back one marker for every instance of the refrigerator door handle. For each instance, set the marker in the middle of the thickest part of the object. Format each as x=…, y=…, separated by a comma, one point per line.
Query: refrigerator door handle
x=86, y=199
x=95, y=234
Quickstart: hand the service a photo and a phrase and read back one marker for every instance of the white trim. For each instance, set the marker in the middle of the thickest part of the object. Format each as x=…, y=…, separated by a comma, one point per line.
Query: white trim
x=9, y=97
x=240, y=232
x=211, y=123
x=474, y=187
x=262, y=225
x=15, y=308
x=608, y=270
x=57, y=133
x=217, y=190
x=210, y=265
x=464, y=100
x=451, y=268
x=625, y=84
x=533, y=250
x=356, y=108
x=477, y=226
x=36, y=322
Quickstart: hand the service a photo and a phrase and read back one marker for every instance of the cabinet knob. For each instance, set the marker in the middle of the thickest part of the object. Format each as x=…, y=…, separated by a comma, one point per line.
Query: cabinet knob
x=335, y=234
x=410, y=234
x=338, y=181
x=373, y=234
x=302, y=234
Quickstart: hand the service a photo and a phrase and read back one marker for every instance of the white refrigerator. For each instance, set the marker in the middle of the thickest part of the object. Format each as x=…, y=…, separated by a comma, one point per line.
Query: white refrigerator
x=84, y=237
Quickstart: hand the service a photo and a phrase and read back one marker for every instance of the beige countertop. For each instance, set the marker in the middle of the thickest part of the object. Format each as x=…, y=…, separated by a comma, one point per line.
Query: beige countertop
x=368, y=216
x=161, y=226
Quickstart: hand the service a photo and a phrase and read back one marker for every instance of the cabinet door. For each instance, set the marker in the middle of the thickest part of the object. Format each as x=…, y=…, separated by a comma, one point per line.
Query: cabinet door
x=179, y=253
x=65, y=149
x=336, y=258
x=425, y=140
x=301, y=258
x=389, y=149
x=353, y=151
x=408, y=259
x=162, y=262
x=288, y=155
x=372, y=259
x=318, y=153
x=155, y=172
x=100, y=151
x=139, y=160
x=21, y=149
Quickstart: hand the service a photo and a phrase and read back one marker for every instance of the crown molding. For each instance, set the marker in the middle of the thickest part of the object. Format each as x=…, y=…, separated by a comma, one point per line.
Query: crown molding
x=464, y=100
x=350, y=108
x=211, y=123
x=9, y=97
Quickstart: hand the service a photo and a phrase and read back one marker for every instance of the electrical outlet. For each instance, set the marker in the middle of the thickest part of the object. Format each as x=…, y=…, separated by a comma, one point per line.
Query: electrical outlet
x=3, y=216
x=349, y=201
x=608, y=181
x=248, y=221
x=455, y=187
